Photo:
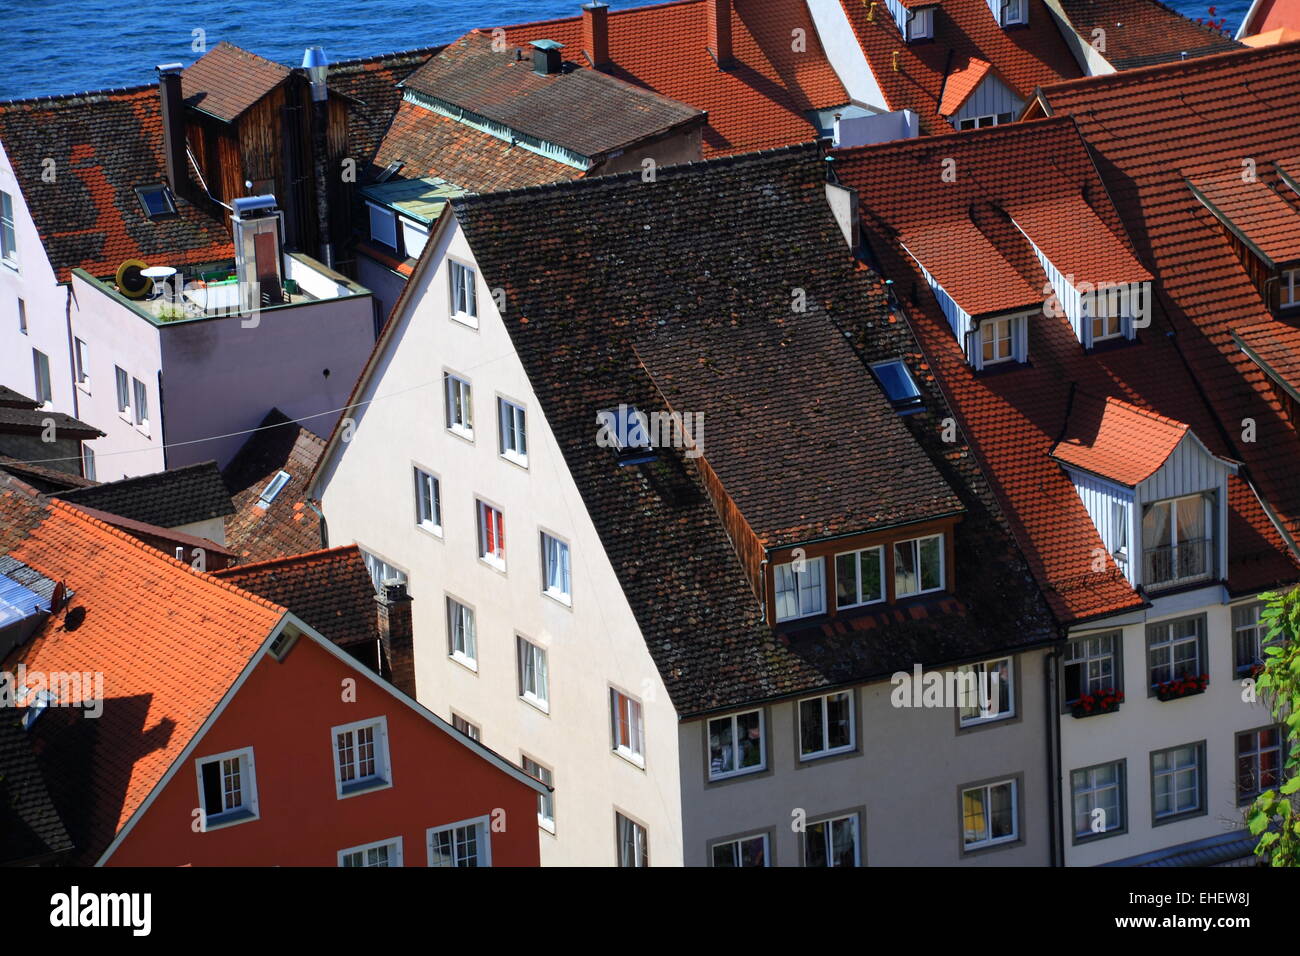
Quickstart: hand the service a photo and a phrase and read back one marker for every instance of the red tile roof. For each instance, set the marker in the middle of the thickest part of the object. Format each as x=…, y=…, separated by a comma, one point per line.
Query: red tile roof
x=226, y=81
x=1142, y=32
x=1117, y=440
x=1152, y=130
x=963, y=260
x=1076, y=241
x=964, y=31
x=103, y=145
x=757, y=103
x=168, y=640
x=961, y=84
x=1013, y=419
x=1268, y=218
x=371, y=87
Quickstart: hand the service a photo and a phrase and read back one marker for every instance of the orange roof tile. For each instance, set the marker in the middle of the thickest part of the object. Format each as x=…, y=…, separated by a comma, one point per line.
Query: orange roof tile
x=1075, y=240
x=168, y=640
x=969, y=267
x=961, y=84
x=758, y=103
x=1255, y=211
x=1117, y=440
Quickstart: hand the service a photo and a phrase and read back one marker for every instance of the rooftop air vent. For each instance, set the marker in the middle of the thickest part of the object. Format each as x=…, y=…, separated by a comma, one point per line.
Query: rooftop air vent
x=546, y=57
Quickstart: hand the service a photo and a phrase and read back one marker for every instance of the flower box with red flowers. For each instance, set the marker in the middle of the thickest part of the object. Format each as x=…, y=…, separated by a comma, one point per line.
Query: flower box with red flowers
x=1102, y=702
x=1186, y=686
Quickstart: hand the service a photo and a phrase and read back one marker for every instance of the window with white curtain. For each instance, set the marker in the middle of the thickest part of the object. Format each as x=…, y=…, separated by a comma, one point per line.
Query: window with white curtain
x=555, y=569
x=800, y=589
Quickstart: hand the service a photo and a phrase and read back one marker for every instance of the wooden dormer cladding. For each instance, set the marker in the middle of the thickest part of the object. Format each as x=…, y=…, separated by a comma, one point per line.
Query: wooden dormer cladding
x=743, y=539
x=884, y=539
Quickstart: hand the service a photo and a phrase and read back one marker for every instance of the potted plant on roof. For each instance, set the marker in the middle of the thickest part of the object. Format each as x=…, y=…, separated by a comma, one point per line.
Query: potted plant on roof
x=1099, y=702
x=1185, y=685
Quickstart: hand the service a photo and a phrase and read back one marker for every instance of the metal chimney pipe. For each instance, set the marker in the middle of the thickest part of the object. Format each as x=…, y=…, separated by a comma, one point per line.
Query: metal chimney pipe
x=317, y=67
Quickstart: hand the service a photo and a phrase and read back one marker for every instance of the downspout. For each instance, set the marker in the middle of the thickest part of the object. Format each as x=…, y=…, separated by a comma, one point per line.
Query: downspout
x=1056, y=832
x=72, y=357
x=324, y=527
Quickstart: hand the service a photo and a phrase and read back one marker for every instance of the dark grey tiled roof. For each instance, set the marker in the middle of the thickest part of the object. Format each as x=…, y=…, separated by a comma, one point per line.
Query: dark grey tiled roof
x=31, y=829
x=167, y=499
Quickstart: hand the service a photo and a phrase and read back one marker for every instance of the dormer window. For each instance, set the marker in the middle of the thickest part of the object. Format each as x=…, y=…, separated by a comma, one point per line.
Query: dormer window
x=1177, y=541
x=920, y=24
x=999, y=340
x=995, y=341
x=918, y=566
x=1290, y=288
x=1013, y=12
x=800, y=589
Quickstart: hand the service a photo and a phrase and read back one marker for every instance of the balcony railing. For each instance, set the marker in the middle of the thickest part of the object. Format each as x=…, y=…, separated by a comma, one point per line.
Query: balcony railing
x=1174, y=564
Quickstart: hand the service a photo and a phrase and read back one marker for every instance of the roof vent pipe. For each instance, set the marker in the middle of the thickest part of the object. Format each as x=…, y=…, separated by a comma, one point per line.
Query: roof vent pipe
x=546, y=57
x=317, y=67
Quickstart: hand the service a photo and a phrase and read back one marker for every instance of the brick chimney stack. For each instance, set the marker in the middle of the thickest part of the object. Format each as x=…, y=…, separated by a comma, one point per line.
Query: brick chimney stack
x=719, y=14
x=396, y=635
x=595, y=33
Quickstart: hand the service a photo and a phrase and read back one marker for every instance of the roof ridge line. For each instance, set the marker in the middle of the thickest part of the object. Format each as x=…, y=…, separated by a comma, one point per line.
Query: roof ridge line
x=374, y=57
x=57, y=97
x=72, y=511
x=569, y=19
x=1212, y=59
x=286, y=559
x=609, y=178
x=1005, y=129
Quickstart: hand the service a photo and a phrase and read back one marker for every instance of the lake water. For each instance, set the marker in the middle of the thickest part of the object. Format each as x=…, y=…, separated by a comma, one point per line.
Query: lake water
x=64, y=46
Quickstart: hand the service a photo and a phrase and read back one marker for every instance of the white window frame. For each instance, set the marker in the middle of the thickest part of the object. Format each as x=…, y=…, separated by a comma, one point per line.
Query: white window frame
x=1248, y=624
x=469, y=655
x=79, y=351
x=989, y=839
x=472, y=730
x=382, y=778
x=8, y=231
x=494, y=557
x=633, y=749
x=140, y=405
x=483, y=840
x=978, y=122
x=640, y=835
x=377, y=566
x=462, y=293
x=1290, y=288
x=413, y=230
x=22, y=315
x=122, y=381
x=1253, y=752
x=1090, y=789
x=732, y=720
x=1196, y=767
x=87, y=462
x=428, y=519
x=248, y=810
x=394, y=856
x=1079, y=652
x=545, y=801
x=512, y=431
x=539, y=694
x=562, y=595
x=857, y=577
x=41, y=378
x=389, y=231
x=801, y=590
x=455, y=387
x=990, y=330
x=1167, y=645
x=979, y=668
x=273, y=488
x=736, y=849
x=1005, y=12
x=920, y=24
x=826, y=749
x=916, y=548
x=829, y=836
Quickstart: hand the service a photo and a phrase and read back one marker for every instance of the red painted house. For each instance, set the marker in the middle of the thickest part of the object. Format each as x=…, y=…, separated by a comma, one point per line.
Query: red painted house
x=227, y=731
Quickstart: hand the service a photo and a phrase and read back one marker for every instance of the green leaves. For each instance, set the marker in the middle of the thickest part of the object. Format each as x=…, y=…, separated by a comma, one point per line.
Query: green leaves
x=1273, y=817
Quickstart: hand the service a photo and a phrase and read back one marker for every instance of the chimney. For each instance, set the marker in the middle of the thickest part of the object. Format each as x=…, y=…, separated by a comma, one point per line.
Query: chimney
x=316, y=66
x=396, y=636
x=595, y=33
x=719, y=13
x=546, y=57
x=173, y=124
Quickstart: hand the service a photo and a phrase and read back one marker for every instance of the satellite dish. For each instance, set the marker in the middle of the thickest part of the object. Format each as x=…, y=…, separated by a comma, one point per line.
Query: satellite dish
x=131, y=282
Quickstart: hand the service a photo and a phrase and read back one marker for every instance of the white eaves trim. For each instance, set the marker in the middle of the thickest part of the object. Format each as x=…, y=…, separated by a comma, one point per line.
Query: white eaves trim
x=845, y=53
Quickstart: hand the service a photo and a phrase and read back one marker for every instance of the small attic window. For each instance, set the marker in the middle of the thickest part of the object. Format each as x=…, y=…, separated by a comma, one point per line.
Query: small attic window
x=626, y=429
x=920, y=25
x=898, y=384
x=1013, y=12
x=156, y=201
x=389, y=171
x=272, y=489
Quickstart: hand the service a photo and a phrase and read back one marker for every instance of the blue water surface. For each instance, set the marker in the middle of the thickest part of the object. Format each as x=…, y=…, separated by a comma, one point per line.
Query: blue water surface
x=64, y=46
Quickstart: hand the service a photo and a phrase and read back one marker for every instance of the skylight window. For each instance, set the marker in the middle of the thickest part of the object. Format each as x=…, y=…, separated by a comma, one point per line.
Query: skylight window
x=898, y=384
x=272, y=489
x=157, y=201
x=626, y=429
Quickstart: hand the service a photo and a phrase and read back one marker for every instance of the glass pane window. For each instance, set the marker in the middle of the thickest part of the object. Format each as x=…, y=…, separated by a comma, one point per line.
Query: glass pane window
x=832, y=842
x=464, y=845
x=918, y=566
x=860, y=577
x=460, y=406
x=826, y=725
x=555, y=568
x=1176, y=780
x=464, y=295
x=141, y=402
x=989, y=814
x=1248, y=633
x=626, y=725
x=996, y=341
x=41, y=374
x=8, y=235
x=1098, y=799
x=1174, y=650
x=747, y=851
x=736, y=744
x=460, y=631
x=1259, y=762
x=511, y=424
x=532, y=673
x=491, y=534
x=383, y=854
x=799, y=589
x=986, y=692
x=1089, y=665
x=123, y=390
x=1176, y=540
x=632, y=842
x=428, y=501
x=545, y=801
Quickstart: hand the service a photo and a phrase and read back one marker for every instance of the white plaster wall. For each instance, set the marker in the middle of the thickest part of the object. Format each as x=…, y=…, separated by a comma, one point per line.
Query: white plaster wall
x=34, y=282
x=905, y=778
x=1144, y=724
x=368, y=497
x=845, y=55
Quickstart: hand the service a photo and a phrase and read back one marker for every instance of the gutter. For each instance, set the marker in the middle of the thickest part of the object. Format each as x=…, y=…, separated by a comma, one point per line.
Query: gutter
x=1055, y=828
